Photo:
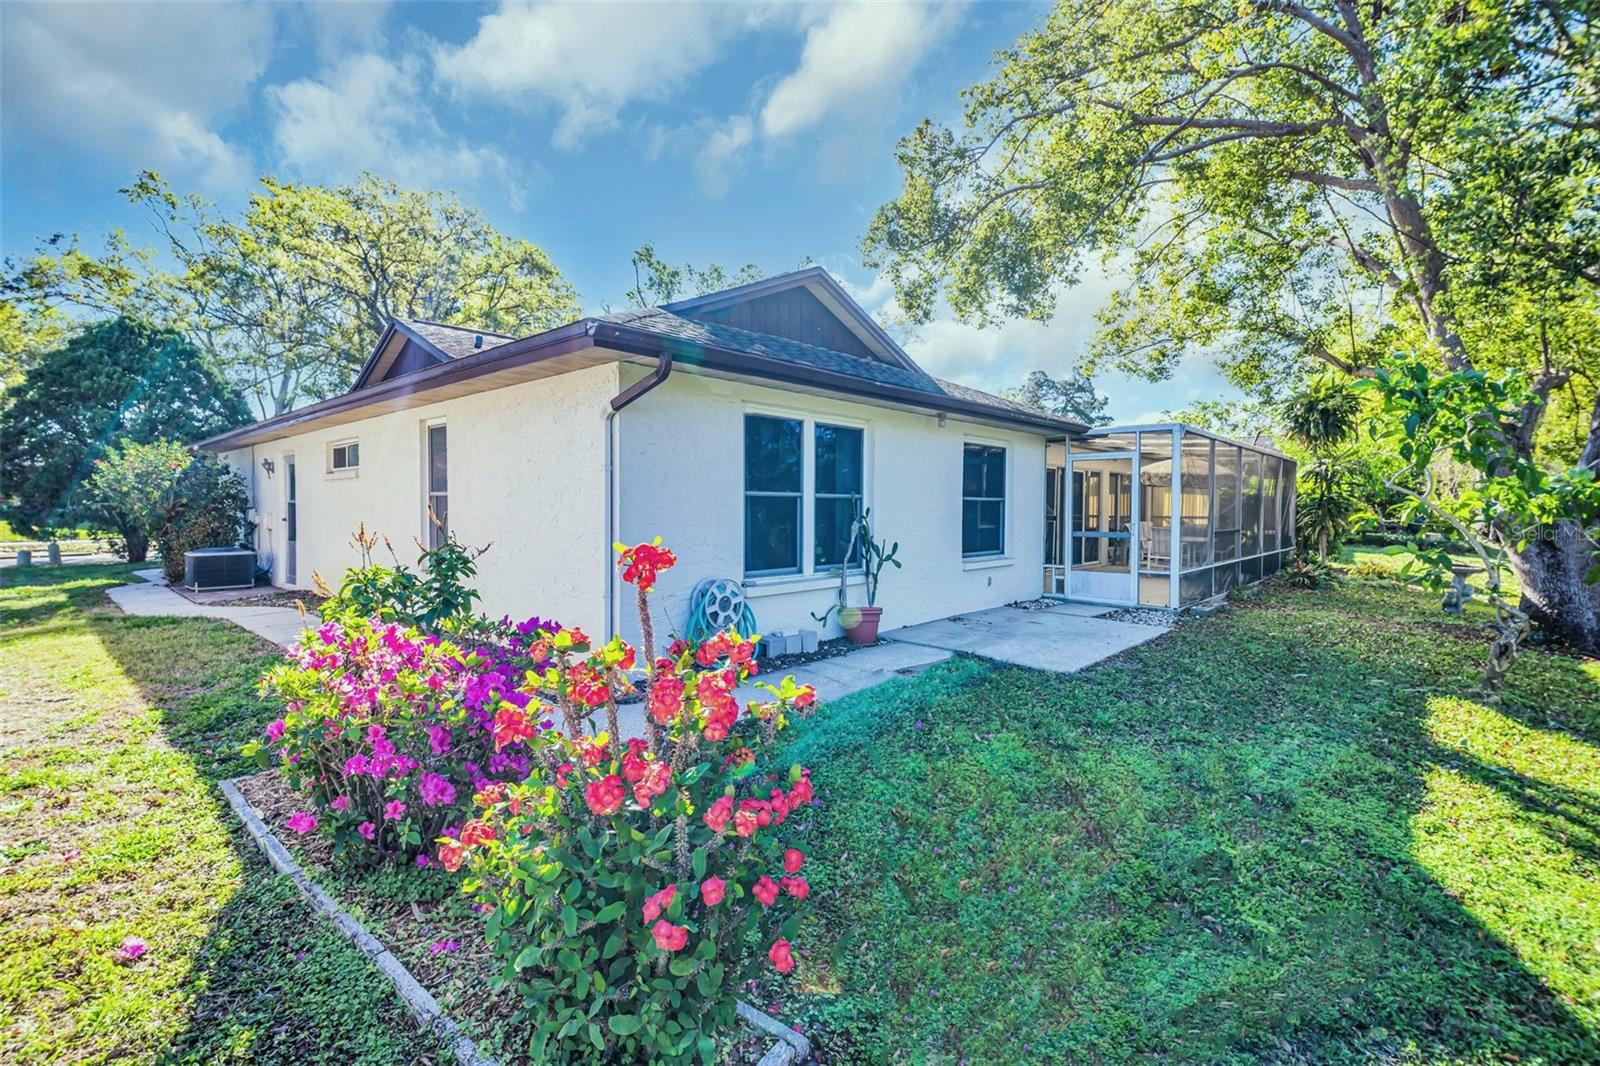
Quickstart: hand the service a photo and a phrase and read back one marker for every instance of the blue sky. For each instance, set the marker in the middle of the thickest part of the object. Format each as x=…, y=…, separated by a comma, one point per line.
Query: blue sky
x=729, y=133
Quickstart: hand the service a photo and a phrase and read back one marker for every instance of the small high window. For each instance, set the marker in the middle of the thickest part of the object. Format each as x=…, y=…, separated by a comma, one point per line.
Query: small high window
x=983, y=500
x=345, y=456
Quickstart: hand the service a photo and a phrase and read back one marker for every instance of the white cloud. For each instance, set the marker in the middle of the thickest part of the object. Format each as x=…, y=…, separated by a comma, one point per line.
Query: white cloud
x=721, y=149
x=854, y=63
x=368, y=113
x=146, y=84
x=591, y=60
x=336, y=28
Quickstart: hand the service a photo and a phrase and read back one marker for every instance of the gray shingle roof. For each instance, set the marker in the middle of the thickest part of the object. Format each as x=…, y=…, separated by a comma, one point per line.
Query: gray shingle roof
x=456, y=341
x=665, y=323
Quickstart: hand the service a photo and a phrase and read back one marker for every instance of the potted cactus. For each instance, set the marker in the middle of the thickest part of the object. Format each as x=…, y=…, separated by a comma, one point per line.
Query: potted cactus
x=861, y=623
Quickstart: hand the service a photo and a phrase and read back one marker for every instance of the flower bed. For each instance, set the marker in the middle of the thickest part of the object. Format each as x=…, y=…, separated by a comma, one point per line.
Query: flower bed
x=439, y=939
x=626, y=890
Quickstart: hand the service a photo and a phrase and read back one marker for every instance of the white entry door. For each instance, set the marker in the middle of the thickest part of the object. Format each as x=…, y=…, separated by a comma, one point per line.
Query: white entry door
x=1103, y=515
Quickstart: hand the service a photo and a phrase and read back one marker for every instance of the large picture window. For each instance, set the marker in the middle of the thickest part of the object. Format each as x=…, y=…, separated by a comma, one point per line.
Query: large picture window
x=983, y=500
x=774, y=486
x=838, y=482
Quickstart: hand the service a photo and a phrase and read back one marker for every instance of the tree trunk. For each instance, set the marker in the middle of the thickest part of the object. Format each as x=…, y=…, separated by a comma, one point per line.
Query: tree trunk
x=137, y=544
x=1552, y=566
x=1554, y=594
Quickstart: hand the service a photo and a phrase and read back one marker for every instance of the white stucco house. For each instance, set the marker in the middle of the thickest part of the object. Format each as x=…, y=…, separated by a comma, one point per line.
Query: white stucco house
x=745, y=428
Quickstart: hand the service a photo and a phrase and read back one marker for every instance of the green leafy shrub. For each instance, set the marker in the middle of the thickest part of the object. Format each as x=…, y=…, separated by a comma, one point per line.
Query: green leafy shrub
x=387, y=730
x=1307, y=572
x=436, y=597
x=207, y=510
x=134, y=488
x=1370, y=569
x=389, y=705
x=630, y=889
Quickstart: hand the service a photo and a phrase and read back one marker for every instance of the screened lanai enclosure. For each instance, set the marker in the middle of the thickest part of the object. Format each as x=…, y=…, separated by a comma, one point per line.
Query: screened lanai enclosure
x=1163, y=515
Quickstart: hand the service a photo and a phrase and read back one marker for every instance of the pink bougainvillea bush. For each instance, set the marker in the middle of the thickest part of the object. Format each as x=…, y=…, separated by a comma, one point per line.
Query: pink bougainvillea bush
x=630, y=886
x=389, y=731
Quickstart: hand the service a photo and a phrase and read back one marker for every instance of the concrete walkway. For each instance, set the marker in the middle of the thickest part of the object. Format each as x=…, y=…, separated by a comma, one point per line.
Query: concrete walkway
x=281, y=625
x=1064, y=638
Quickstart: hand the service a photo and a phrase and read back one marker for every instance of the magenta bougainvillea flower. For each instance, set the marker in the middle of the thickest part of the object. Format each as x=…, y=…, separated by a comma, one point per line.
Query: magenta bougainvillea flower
x=131, y=948
x=436, y=790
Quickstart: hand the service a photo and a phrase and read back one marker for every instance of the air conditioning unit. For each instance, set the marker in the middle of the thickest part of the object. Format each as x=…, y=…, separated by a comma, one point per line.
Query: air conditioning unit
x=219, y=568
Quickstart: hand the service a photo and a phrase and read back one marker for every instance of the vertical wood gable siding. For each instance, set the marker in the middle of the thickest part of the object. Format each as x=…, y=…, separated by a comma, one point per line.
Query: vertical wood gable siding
x=412, y=357
x=792, y=313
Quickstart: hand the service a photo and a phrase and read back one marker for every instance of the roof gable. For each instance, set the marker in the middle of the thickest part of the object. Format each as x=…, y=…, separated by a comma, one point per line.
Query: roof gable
x=409, y=345
x=806, y=306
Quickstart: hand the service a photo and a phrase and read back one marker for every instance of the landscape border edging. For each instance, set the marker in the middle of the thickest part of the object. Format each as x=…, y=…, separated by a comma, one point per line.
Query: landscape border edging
x=789, y=1046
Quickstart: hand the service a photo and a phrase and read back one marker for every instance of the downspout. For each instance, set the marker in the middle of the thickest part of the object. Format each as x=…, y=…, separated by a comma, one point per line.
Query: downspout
x=618, y=402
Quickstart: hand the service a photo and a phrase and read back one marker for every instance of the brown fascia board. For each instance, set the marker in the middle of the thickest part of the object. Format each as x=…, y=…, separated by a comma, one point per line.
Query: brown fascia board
x=646, y=342
x=588, y=333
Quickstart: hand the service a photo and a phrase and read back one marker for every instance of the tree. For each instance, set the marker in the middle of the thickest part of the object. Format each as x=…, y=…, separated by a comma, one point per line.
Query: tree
x=1461, y=418
x=116, y=381
x=1247, y=420
x=657, y=282
x=290, y=297
x=1071, y=397
x=206, y=510
x=1323, y=418
x=1323, y=415
x=1289, y=182
x=132, y=489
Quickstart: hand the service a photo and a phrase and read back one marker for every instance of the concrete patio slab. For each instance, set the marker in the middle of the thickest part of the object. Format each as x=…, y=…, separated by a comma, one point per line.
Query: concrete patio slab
x=1065, y=638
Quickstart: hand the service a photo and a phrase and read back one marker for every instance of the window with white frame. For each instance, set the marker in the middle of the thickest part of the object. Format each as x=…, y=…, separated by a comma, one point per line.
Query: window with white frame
x=774, y=491
x=437, y=484
x=344, y=456
x=837, y=494
x=983, y=499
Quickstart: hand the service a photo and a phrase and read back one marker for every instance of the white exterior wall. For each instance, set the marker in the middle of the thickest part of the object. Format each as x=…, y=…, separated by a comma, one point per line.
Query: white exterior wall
x=682, y=478
x=526, y=473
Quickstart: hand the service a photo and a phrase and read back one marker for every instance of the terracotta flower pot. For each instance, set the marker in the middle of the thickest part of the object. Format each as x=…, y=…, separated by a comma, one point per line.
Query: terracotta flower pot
x=861, y=624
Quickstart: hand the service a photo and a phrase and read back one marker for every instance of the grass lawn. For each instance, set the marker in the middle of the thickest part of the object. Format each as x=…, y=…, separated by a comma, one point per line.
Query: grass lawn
x=1288, y=833
x=1394, y=558
x=113, y=733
